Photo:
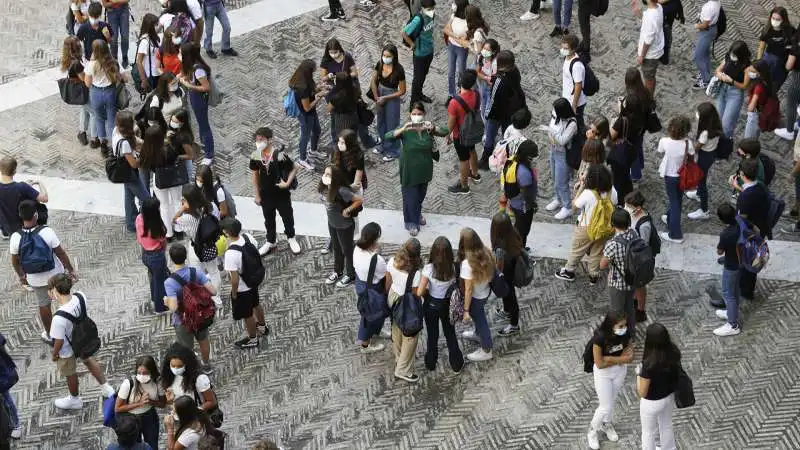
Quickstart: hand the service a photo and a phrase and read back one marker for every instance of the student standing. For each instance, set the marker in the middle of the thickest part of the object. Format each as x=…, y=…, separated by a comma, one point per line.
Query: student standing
x=477, y=266
x=706, y=27
x=651, y=43
x=466, y=100
x=523, y=205
x=573, y=73
x=140, y=396
x=307, y=96
x=733, y=74
x=753, y=205
x=7, y=365
x=146, y=48
x=194, y=77
x=93, y=29
x=124, y=143
x=676, y=148
x=507, y=247
x=562, y=15
x=457, y=46
x=642, y=223
x=709, y=129
x=615, y=259
x=418, y=35
x=119, y=17
x=181, y=376
x=341, y=204
x=193, y=208
x=505, y=99
x=655, y=384
x=12, y=194
x=775, y=43
x=388, y=87
x=215, y=9
x=72, y=66
x=562, y=130
x=151, y=236
x=407, y=262
x=728, y=247
x=366, y=249
x=101, y=77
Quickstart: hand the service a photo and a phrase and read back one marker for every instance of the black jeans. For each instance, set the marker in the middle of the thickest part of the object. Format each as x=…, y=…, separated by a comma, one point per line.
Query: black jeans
x=280, y=202
x=438, y=310
x=149, y=426
x=667, y=42
x=336, y=6
x=747, y=283
x=523, y=223
x=622, y=181
x=422, y=65
x=535, y=4
x=342, y=245
x=510, y=304
x=585, y=8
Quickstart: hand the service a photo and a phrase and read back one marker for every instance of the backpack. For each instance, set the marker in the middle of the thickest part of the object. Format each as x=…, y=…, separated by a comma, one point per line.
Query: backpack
x=640, y=262
x=455, y=310
x=751, y=248
x=415, y=34
x=600, y=221
x=504, y=150
x=600, y=8
x=109, y=406
x=774, y=213
x=195, y=303
x=371, y=302
x=523, y=270
x=472, y=129
x=252, y=267
x=184, y=26
x=280, y=160
x=407, y=310
x=655, y=239
x=684, y=390
x=769, y=168
x=208, y=233
x=135, y=76
x=35, y=254
x=290, y=105
x=724, y=147
x=722, y=24
x=118, y=170
x=573, y=149
x=769, y=117
x=508, y=179
x=588, y=356
x=228, y=199
x=590, y=82
x=8, y=370
x=85, y=340
x=215, y=94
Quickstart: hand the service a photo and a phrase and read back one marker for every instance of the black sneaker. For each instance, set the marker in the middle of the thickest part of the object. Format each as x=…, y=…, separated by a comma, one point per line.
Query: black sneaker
x=211, y=53
x=180, y=236
x=425, y=99
x=82, y=138
x=593, y=279
x=330, y=18
x=564, y=31
x=500, y=314
x=125, y=63
x=247, y=342
x=263, y=329
x=556, y=32
x=475, y=178
x=341, y=15
x=94, y=143
x=508, y=330
x=104, y=149
x=564, y=274
x=230, y=52
x=641, y=316
x=458, y=189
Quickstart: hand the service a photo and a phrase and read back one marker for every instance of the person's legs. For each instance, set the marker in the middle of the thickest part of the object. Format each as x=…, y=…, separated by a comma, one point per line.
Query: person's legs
x=12, y=409
x=617, y=382
x=704, y=161
x=45, y=311
x=667, y=42
x=431, y=308
x=455, y=356
x=666, y=435
x=149, y=427
x=418, y=78
x=557, y=13
x=622, y=301
x=648, y=416
x=510, y=304
x=156, y=263
x=603, y=387
x=585, y=8
x=638, y=164
x=567, y=13
x=580, y=244
x=702, y=52
x=461, y=65
x=305, y=134
x=209, y=16
x=523, y=223
x=730, y=293
x=751, y=128
x=730, y=106
x=562, y=176
x=477, y=309
x=408, y=194
x=184, y=337
x=110, y=105
x=792, y=99
x=224, y=21
x=95, y=369
x=391, y=109
x=674, y=209
x=130, y=205
x=452, y=58
x=114, y=18
x=125, y=31
x=205, y=347
x=345, y=238
x=747, y=284
x=284, y=206
x=535, y=5
x=492, y=127
x=200, y=109
x=338, y=252
x=98, y=109
x=426, y=67
x=268, y=209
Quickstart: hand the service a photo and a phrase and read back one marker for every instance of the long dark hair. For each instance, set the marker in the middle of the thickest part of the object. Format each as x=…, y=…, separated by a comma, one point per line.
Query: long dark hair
x=503, y=235
x=638, y=99
x=190, y=364
x=606, y=328
x=660, y=353
x=764, y=77
x=125, y=122
x=151, y=154
x=332, y=44
x=182, y=115
x=475, y=20
x=204, y=173
x=786, y=26
x=190, y=56
x=370, y=234
x=563, y=109
x=391, y=48
x=162, y=87
x=526, y=152
x=338, y=180
x=303, y=76
x=196, y=200
x=709, y=120
x=598, y=178
x=461, y=6
x=148, y=363
x=742, y=52
x=189, y=415
x=149, y=23
x=351, y=156
x=151, y=216
x=442, y=259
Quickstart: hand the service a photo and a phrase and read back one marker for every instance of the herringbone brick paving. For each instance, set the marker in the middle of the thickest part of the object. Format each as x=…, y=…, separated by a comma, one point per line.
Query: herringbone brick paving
x=309, y=387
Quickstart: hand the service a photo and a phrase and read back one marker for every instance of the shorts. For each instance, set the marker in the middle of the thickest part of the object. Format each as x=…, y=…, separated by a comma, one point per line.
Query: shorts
x=649, y=68
x=42, y=297
x=187, y=338
x=67, y=366
x=243, y=304
x=463, y=152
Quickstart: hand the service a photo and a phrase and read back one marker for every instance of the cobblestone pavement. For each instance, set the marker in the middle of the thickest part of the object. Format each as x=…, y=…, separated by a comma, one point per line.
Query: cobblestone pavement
x=309, y=387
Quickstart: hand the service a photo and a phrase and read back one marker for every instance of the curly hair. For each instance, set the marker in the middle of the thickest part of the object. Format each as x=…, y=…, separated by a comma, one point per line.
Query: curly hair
x=190, y=364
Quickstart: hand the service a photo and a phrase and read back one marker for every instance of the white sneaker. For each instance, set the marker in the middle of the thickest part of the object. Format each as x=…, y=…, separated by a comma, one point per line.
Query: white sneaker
x=266, y=248
x=722, y=314
x=294, y=246
x=699, y=214
x=469, y=334
x=305, y=164
x=563, y=214
x=784, y=133
x=372, y=348
x=16, y=433
x=68, y=402
x=611, y=433
x=665, y=237
x=593, y=439
x=727, y=330
x=554, y=205
x=107, y=390
x=480, y=355
x=333, y=277
x=46, y=338
x=206, y=162
x=376, y=150
x=692, y=195
x=664, y=219
x=386, y=334
x=529, y=16
x=217, y=301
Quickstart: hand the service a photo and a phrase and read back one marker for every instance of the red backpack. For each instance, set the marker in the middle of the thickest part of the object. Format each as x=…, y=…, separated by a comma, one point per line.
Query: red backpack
x=194, y=303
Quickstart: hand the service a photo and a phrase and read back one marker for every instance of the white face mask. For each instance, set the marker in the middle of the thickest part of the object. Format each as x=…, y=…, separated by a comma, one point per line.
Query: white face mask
x=326, y=180
x=144, y=379
x=342, y=146
x=486, y=53
x=260, y=146
x=416, y=118
x=564, y=52
x=387, y=59
x=776, y=23
x=93, y=21
x=335, y=55
x=178, y=371
x=453, y=7
x=174, y=124
x=177, y=40
x=733, y=58
x=630, y=210
x=199, y=183
x=697, y=116
x=753, y=74
x=621, y=331
x=429, y=12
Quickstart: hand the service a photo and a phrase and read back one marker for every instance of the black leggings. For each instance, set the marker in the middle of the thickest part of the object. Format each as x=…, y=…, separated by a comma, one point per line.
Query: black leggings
x=510, y=304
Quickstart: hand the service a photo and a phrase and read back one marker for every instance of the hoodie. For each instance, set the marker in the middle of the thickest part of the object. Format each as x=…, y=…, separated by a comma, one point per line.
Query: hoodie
x=506, y=96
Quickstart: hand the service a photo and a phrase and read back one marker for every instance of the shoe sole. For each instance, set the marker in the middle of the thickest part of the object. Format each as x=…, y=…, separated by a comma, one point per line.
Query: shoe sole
x=564, y=278
x=410, y=380
x=245, y=346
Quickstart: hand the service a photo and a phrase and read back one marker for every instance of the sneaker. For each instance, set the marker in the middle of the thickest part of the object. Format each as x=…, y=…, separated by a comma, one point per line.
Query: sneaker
x=388, y=158
x=207, y=162
x=699, y=214
x=699, y=85
x=82, y=138
x=593, y=439
x=230, y=52
x=367, y=3
x=422, y=221
x=727, y=330
x=611, y=433
x=665, y=237
x=330, y=18
x=46, y=338
x=718, y=304
x=294, y=246
x=211, y=53
x=508, y=330
x=94, y=143
x=305, y=164
x=376, y=150
x=413, y=378
x=500, y=314
x=341, y=15
x=564, y=274
x=206, y=368
x=784, y=133
x=425, y=99
x=563, y=214
x=664, y=219
x=793, y=213
x=794, y=229
x=469, y=334
x=372, y=348
x=262, y=329
x=68, y=402
x=344, y=281
x=107, y=390
x=266, y=248
x=333, y=277
x=480, y=355
x=721, y=313
x=413, y=231
x=552, y=206
x=458, y=189
x=593, y=279
x=556, y=32
x=692, y=195
x=105, y=150
x=386, y=334
x=16, y=433
x=475, y=178
x=217, y=302
x=564, y=31
x=247, y=342
x=528, y=16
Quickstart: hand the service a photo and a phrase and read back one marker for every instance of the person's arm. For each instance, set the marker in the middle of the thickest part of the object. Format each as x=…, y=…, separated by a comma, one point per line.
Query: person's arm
x=387, y=281
x=204, y=85
x=452, y=121
x=223, y=208
x=790, y=62
x=57, y=344
x=397, y=133
x=604, y=263
x=172, y=303
x=796, y=168
x=188, y=152
x=210, y=288
x=358, y=177
x=423, y=286
x=41, y=197
x=411, y=29
x=200, y=25
x=87, y=79
x=642, y=386
x=234, y=283
x=309, y=104
x=209, y=400
x=62, y=255
x=140, y=68
x=562, y=137
x=122, y=405
x=762, y=46
x=169, y=424
x=286, y=184
x=356, y=202
x=576, y=95
x=134, y=163
x=254, y=179
x=373, y=85
x=468, y=287
x=18, y=269
x=703, y=25
x=323, y=74
x=752, y=106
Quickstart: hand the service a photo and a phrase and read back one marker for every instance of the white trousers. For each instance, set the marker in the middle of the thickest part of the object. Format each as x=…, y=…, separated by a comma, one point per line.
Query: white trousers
x=170, y=199
x=209, y=267
x=656, y=417
x=607, y=384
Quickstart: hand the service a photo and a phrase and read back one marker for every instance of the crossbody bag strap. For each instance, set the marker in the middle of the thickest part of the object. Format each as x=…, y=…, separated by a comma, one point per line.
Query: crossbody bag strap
x=373, y=263
x=410, y=281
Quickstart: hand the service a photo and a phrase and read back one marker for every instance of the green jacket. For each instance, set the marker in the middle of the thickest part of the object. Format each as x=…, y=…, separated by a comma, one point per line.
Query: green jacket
x=417, y=155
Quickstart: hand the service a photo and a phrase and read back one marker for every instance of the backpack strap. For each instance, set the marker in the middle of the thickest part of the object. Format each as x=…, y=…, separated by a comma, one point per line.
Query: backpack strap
x=192, y=274
x=572, y=64
x=373, y=263
x=463, y=104
x=82, y=301
x=410, y=281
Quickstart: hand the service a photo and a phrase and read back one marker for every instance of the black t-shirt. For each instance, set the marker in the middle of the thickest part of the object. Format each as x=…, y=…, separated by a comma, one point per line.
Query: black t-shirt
x=334, y=67
x=299, y=95
x=727, y=243
x=393, y=80
x=351, y=173
x=662, y=381
x=612, y=345
x=87, y=35
x=795, y=50
x=778, y=42
x=734, y=70
x=753, y=203
x=269, y=175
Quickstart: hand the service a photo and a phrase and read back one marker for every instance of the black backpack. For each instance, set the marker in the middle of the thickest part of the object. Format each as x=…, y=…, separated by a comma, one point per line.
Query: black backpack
x=85, y=340
x=208, y=232
x=590, y=82
x=407, y=310
x=769, y=168
x=252, y=267
x=655, y=239
x=415, y=34
x=600, y=8
x=472, y=129
x=640, y=262
x=722, y=24
x=588, y=356
x=118, y=170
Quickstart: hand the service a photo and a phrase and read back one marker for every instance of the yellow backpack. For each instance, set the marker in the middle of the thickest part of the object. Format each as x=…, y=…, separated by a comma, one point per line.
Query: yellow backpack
x=600, y=222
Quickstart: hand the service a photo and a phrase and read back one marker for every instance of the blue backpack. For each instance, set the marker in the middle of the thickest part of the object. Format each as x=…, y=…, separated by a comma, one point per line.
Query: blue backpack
x=35, y=255
x=407, y=310
x=371, y=297
x=109, y=407
x=8, y=370
x=751, y=248
x=290, y=105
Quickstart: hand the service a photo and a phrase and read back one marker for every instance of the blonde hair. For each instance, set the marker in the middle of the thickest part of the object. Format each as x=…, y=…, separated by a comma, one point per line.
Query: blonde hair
x=478, y=256
x=70, y=52
x=101, y=55
x=409, y=257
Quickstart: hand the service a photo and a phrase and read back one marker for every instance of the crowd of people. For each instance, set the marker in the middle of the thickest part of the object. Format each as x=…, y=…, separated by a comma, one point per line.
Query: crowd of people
x=184, y=218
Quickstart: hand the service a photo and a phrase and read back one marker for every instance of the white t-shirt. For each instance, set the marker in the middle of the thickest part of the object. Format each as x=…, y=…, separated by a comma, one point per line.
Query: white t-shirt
x=83, y=8
x=568, y=80
x=674, y=152
x=124, y=145
x=361, y=261
x=479, y=291
x=195, y=9
x=459, y=27
x=202, y=384
x=437, y=288
x=189, y=438
x=152, y=388
x=150, y=62
x=61, y=327
x=399, y=278
x=49, y=236
x=710, y=11
x=171, y=106
x=652, y=33
x=199, y=72
x=709, y=145
x=99, y=77
x=586, y=203
x=233, y=260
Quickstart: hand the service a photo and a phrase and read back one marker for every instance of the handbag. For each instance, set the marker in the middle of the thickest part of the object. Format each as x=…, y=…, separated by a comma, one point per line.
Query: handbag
x=714, y=86
x=365, y=116
x=171, y=175
x=455, y=310
x=73, y=91
x=684, y=390
x=123, y=97
x=652, y=122
x=690, y=174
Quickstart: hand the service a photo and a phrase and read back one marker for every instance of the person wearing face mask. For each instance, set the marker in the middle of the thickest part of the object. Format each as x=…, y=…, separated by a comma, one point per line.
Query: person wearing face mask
x=612, y=350
x=93, y=29
x=486, y=69
x=505, y=99
x=642, y=223
x=388, y=86
x=336, y=12
x=791, y=102
x=335, y=60
x=457, y=46
x=342, y=205
x=418, y=35
x=760, y=90
x=733, y=74
x=709, y=130
x=416, y=163
x=706, y=27
x=774, y=45
x=182, y=376
x=573, y=73
x=168, y=54
x=194, y=77
x=188, y=428
x=140, y=395
x=466, y=100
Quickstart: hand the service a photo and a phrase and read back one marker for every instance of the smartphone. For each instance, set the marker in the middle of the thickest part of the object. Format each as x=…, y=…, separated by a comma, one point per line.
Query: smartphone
x=417, y=126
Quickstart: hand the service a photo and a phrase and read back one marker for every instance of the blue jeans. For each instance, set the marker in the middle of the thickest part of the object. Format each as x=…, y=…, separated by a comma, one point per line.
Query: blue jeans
x=12, y=409
x=777, y=70
x=309, y=132
x=492, y=128
x=557, y=13
x=199, y=102
x=86, y=123
x=156, y=263
x=702, y=52
x=217, y=11
x=638, y=163
x=729, y=105
x=388, y=119
x=477, y=310
x=561, y=174
x=367, y=141
x=705, y=160
x=456, y=63
x=751, y=128
x=120, y=20
x=731, y=293
x=413, y=196
x=438, y=310
x=133, y=189
x=104, y=105
x=145, y=175
x=674, y=197
x=485, y=92
x=368, y=329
